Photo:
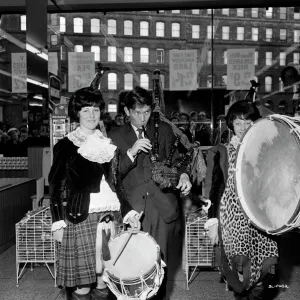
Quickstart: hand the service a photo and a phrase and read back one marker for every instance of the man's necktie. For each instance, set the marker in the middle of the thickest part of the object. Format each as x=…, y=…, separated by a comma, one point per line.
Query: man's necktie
x=140, y=131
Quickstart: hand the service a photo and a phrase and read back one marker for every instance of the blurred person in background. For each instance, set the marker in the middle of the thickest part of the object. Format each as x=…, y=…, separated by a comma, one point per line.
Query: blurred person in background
x=23, y=140
x=108, y=121
x=119, y=120
x=174, y=120
x=12, y=147
x=175, y=113
x=126, y=119
x=184, y=121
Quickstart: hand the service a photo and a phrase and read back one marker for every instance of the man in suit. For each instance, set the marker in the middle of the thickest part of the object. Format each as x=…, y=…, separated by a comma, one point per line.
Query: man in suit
x=160, y=206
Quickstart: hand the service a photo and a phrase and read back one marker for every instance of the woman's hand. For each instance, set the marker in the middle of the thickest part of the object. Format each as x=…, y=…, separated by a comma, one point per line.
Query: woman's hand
x=212, y=226
x=58, y=235
x=213, y=234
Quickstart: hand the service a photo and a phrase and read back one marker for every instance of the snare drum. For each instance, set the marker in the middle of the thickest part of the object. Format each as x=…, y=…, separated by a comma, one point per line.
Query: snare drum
x=138, y=273
x=267, y=174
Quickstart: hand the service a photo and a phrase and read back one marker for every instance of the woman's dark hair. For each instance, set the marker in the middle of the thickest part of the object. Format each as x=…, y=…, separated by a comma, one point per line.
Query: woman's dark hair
x=242, y=109
x=83, y=98
x=138, y=97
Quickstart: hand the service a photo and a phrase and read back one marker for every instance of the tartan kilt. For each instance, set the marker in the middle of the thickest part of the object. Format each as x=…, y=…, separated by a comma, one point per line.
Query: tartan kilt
x=76, y=264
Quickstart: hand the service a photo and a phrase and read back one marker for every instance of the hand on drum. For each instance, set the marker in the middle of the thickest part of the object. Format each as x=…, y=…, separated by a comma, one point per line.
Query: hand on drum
x=134, y=222
x=140, y=145
x=184, y=184
x=58, y=235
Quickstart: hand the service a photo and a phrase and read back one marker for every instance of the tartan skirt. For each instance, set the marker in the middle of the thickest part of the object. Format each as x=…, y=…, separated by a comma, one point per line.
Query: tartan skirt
x=77, y=251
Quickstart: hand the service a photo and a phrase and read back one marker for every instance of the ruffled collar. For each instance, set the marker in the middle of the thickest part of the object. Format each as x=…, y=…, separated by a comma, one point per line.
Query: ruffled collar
x=235, y=141
x=95, y=147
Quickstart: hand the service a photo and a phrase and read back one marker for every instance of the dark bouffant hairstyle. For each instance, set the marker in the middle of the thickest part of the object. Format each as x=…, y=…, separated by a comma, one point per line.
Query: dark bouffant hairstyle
x=242, y=109
x=138, y=97
x=82, y=98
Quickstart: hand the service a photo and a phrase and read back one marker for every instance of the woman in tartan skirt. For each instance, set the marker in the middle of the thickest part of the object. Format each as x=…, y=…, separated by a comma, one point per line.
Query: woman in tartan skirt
x=85, y=199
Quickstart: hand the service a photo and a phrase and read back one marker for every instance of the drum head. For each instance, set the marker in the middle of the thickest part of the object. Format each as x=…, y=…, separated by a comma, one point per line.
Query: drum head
x=268, y=174
x=138, y=257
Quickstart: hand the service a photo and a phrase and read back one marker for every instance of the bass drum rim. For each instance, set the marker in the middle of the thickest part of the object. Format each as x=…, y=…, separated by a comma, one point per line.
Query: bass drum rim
x=241, y=147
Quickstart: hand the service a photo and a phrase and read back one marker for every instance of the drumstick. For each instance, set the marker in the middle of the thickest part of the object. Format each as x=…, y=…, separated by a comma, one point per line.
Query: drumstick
x=126, y=241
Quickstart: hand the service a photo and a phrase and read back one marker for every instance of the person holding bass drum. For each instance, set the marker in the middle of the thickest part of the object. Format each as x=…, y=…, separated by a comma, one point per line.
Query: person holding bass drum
x=247, y=257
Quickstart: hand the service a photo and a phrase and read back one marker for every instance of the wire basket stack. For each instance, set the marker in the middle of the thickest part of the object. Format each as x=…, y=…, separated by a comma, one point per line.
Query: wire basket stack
x=35, y=243
x=198, y=249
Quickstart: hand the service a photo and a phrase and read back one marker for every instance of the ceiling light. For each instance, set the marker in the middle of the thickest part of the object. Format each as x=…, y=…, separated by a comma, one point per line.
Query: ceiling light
x=37, y=83
x=5, y=91
x=35, y=104
x=4, y=100
x=36, y=51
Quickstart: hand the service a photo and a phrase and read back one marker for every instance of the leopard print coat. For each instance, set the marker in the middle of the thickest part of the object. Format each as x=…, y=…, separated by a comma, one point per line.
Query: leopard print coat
x=238, y=235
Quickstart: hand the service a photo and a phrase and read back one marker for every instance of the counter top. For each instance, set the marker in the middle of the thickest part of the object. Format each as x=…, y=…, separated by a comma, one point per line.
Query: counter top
x=9, y=182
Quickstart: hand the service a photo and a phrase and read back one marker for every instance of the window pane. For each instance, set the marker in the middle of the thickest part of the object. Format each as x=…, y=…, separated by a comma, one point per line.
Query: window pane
x=269, y=58
x=195, y=31
x=296, y=36
x=269, y=33
x=254, y=34
x=282, y=36
x=128, y=27
x=296, y=13
x=225, y=32
x=256, y=58
x=62, y=24
x=78, y=48
x=112, y=53
x=282, y=13
x=112, y=81
x=160, y=29
x=209, y=57
x=240, y=33
x=144, y=81
x=268, y=83
x=225, y=11
x=175, y=30
x=111, y=26
x=254, y=12
x=144, y=28
x=95, y=26
x=240, y=12
x=128, y=54
x=195, y=11
x=282, y=58
x=225, y=57
x=296, y=58
x=160, y=56
x=209, y=31
x=53, y=39
x=144, y=55
x=128, y=81
x=96, y=50
x=269, y=12
x=23, y=23
x=78, y=25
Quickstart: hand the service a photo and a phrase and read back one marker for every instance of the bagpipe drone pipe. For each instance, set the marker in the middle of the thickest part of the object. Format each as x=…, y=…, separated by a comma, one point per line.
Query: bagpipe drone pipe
x=165, y=173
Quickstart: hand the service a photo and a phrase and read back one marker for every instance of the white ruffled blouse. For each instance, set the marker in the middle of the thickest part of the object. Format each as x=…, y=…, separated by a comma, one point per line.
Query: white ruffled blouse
x=97, y=148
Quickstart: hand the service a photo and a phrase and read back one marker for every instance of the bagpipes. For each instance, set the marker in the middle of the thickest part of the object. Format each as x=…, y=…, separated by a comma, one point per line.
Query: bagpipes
x=165, y=173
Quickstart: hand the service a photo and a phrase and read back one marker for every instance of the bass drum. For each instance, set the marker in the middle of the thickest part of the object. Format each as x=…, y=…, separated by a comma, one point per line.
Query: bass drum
x=267, y=174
